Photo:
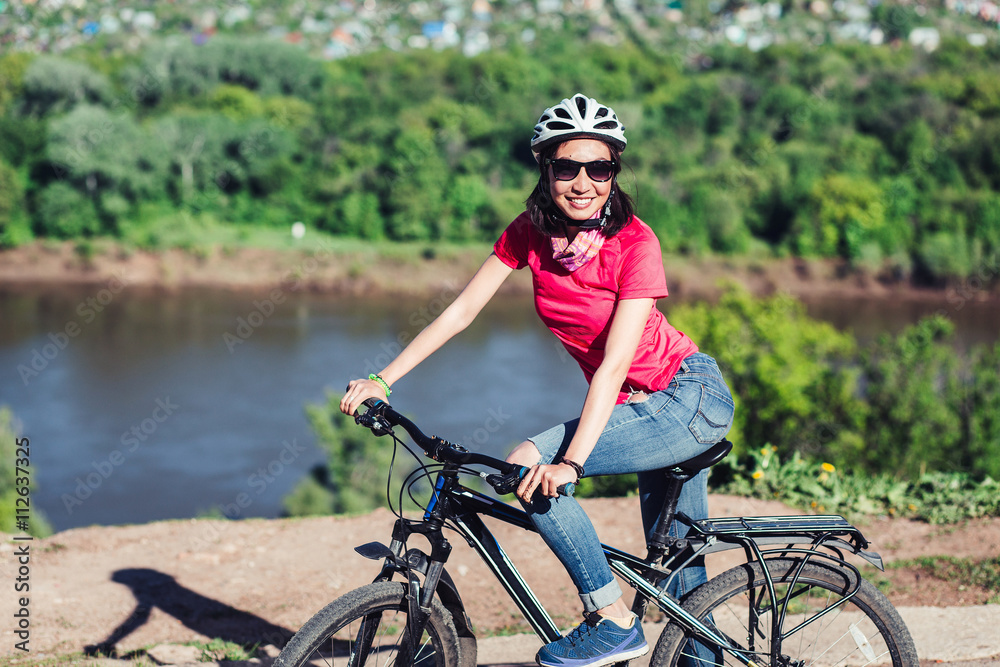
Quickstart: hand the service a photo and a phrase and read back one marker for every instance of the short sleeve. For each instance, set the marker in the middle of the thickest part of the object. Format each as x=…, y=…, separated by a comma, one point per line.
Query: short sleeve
x=640, y=273
x=512, y=246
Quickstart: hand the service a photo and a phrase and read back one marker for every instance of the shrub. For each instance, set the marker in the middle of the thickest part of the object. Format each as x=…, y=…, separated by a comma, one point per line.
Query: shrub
x=353, y=479
x=38, y=526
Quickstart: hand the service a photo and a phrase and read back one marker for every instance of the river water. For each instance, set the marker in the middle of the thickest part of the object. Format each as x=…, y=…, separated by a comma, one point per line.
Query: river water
x=143, y=405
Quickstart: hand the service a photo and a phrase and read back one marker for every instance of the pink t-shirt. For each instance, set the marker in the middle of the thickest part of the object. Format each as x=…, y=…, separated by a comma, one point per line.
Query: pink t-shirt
x=577, y=307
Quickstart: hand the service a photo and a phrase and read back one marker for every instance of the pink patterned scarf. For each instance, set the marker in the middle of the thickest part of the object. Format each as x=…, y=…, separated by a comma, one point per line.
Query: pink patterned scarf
x=584, y=248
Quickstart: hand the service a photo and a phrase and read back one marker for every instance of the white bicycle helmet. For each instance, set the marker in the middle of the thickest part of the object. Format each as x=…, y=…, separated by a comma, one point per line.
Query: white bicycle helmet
x=578, y=117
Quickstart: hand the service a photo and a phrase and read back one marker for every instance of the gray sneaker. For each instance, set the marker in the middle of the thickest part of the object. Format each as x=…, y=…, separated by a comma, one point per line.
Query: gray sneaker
x=595, y=642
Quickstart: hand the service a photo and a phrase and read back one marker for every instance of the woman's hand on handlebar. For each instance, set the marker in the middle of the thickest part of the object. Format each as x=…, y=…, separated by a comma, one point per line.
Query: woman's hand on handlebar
x=545, y=479
x=358, y=391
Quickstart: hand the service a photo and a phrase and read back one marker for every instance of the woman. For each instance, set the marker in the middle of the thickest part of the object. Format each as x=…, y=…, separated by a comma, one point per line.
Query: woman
x=653, y=399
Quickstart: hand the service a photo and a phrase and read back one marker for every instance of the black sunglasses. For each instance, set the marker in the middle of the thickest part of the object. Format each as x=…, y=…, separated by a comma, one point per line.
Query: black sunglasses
x=567, y=170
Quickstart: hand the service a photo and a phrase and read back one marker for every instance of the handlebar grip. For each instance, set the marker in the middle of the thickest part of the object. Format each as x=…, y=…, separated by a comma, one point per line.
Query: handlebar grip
x=504, y=484
x=369, y=403
x=566, y=489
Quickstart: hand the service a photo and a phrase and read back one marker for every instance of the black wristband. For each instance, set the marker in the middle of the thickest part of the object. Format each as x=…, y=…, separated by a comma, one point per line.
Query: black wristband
x=574, y=465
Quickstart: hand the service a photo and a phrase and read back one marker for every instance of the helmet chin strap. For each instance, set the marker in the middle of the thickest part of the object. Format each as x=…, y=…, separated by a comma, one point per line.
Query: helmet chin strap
x=601, y=221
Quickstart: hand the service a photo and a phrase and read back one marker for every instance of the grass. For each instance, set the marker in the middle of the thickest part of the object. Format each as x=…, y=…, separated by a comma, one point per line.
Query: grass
x=219, y=649
x=216, y=650
x=983, y=573
x=199, y=234
x=964, y=571
x=68, y=660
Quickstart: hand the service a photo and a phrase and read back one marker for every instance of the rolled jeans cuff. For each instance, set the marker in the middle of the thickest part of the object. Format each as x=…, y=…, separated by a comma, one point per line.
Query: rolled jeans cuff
x=602, y=597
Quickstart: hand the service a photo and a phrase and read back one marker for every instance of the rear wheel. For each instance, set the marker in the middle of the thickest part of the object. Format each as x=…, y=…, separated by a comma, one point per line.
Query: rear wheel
x=865, y=630
x=368, y=627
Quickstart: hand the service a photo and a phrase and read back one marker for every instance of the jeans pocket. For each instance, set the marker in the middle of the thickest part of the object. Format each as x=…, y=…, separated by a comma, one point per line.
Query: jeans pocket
x=714, y=417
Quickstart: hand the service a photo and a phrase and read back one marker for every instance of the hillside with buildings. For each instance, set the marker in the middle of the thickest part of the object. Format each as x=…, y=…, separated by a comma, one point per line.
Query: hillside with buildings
x=336, y=29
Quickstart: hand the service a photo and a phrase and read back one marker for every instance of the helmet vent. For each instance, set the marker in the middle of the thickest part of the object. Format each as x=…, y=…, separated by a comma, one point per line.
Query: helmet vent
x=579, y=116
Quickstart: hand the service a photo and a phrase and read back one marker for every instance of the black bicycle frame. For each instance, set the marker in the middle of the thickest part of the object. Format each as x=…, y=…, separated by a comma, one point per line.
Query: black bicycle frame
x=464, y=507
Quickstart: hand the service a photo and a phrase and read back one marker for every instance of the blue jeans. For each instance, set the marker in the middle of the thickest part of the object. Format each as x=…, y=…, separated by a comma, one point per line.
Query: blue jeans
x=694, y=412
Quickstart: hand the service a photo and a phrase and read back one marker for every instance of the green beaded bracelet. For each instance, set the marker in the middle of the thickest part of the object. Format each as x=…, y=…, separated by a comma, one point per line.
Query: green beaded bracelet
x=378, y=378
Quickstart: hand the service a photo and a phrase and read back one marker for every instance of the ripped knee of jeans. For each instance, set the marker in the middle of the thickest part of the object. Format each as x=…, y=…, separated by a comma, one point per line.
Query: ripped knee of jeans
x=525, y=454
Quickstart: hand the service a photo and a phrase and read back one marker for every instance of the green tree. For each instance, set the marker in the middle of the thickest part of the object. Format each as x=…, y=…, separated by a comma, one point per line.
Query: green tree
x=790, y=374
x=980, y=409
x=14, y=229
x=11, y=479
x=180, y=70
x=945, y=255
x=100, y=151
x=236, y=102
x=12, y=68
x=913, y=424
x=65, y=212
x=415, y=187
x=56, y=85
x=353, y=479
x=847, y=213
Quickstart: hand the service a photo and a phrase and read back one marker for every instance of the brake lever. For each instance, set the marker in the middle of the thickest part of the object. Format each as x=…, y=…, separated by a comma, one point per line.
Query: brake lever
x=372, y=420
x=504, y=484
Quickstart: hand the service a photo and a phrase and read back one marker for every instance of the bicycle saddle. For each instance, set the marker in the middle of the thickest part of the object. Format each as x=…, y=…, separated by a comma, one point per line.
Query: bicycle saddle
x=706, y=459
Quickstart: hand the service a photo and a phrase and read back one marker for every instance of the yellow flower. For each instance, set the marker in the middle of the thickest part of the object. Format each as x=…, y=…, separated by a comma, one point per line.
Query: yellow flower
x=757, y=474
x=912, y=507
x=828, y=467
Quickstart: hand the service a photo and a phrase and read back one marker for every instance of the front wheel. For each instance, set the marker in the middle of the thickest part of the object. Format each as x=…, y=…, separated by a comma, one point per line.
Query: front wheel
x=368, y=627
x=865, y=630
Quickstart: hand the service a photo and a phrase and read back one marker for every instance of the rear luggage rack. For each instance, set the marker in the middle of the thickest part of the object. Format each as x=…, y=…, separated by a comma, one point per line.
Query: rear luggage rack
x=776, y=525
x=827, y=530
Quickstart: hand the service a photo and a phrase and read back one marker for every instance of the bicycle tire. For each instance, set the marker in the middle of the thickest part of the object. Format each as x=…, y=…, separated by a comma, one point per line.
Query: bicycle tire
x=864, y=630
x=331, y=637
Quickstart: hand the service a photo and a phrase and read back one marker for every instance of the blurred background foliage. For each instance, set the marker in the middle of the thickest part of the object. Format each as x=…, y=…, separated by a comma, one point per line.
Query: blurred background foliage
x=887, y=158
x=30, y=519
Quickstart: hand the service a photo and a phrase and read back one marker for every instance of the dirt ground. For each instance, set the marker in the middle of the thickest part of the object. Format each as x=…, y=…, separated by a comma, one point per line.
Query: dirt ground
x=133, y=587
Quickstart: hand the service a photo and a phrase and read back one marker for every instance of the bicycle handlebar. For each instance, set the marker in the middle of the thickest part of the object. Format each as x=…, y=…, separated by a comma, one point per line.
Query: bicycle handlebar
x=380, y=418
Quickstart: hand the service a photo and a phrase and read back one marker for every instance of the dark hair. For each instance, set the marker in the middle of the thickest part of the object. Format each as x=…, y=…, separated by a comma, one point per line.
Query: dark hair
x=546, y=216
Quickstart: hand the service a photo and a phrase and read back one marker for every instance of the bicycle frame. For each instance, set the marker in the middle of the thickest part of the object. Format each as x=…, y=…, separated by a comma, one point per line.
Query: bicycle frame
x=464, y=508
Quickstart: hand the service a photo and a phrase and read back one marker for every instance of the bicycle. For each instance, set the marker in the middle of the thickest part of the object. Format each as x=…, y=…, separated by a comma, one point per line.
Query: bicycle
x=795, y=601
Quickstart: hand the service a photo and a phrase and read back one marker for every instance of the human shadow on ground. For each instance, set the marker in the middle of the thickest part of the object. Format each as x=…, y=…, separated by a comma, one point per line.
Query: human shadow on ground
x=208, y=617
